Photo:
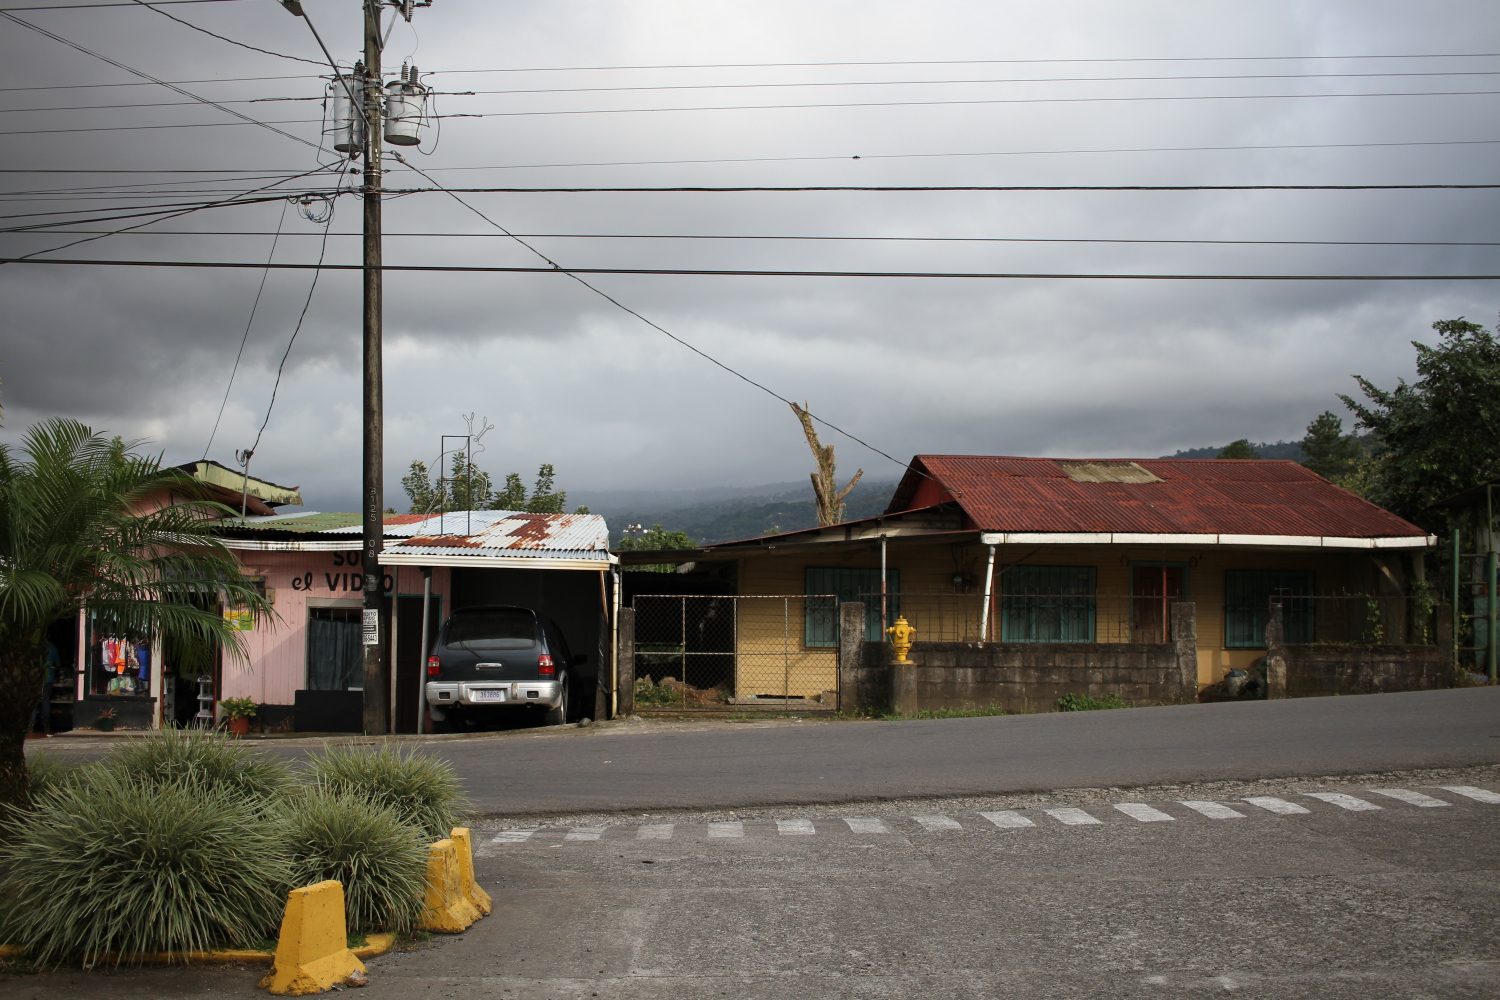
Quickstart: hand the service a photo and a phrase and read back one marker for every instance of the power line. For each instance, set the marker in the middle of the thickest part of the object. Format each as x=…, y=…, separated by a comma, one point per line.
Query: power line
x=245, y=337
x=574, y=275
x=765, y=272
x=771, y=238
x=1222, y=77
x=222, y=38
x=159, y=212
x=147, y=76
x=940, y=188
x=108, y=3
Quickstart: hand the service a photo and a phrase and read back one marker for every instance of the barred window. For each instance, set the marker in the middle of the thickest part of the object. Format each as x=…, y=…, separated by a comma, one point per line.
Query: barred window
x=821, y=616
x=1047, y=604
x=1247, y=606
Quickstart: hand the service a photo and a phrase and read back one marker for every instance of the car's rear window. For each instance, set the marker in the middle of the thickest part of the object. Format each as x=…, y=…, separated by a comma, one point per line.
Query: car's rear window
x=498, y=629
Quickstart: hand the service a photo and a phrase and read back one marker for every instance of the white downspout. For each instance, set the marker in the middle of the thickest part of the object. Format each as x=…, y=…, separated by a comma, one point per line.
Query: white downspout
x=984, y=612
x=884, y=622
x=614, y=649
x=422, y=654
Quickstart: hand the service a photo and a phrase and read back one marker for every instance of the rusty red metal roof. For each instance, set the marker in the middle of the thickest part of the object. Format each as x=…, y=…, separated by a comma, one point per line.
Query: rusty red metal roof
x=1190, y=496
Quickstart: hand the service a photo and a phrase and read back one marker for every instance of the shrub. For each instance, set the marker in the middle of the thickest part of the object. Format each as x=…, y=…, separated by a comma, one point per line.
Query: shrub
x=422, y=789
x=47, y=772
x=201, y=759
x=105, y=869
x=380, y=859
x=1072, y=702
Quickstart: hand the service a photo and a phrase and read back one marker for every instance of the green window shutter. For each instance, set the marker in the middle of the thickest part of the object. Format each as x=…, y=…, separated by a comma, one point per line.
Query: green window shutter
x=1048, y=604
x=820, y=627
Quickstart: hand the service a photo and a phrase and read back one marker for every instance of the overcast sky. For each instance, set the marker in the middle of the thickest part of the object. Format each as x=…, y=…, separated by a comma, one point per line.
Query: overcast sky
x=773, y=93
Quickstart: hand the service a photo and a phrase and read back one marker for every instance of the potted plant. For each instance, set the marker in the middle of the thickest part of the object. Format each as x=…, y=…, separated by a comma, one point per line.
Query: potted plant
x=238, y=712
x=105, y=723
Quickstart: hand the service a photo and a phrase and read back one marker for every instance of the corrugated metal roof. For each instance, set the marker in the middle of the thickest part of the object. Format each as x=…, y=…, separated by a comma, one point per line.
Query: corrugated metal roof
x=477, y=533
x=1194, y=496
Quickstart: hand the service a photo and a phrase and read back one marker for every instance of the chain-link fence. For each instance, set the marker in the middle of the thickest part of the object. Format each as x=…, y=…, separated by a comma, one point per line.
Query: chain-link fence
x=699, y=652
x=1029, y=617
x=1349, y=620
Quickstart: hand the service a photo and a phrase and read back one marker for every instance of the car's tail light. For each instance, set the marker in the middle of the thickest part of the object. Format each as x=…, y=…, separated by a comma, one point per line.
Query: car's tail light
x=434, y=666
x=544, y=666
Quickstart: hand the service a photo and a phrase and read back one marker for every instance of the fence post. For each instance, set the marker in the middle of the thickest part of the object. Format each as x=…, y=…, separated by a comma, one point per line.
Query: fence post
x=1276, y=666
x=1185, y=647
x=851, y=654
x=626, y=654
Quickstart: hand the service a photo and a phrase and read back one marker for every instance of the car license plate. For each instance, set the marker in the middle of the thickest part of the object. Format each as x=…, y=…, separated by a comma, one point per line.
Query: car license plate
x=488, y=695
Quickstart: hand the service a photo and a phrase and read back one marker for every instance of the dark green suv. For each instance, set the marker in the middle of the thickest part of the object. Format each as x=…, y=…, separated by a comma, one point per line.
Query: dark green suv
x=494, y=659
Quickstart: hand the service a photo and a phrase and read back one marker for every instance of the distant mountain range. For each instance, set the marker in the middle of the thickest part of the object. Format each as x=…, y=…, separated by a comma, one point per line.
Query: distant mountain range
x=728, y=513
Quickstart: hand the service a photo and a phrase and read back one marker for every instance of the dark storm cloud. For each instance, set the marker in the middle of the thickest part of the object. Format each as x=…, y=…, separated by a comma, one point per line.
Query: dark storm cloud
x=1084, y=367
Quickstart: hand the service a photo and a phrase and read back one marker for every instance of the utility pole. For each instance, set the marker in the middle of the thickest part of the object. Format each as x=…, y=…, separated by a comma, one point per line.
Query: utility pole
x=376, y=681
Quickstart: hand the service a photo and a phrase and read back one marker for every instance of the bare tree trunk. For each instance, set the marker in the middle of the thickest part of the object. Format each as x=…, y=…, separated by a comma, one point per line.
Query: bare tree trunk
x=829, y=497
x=23, y=672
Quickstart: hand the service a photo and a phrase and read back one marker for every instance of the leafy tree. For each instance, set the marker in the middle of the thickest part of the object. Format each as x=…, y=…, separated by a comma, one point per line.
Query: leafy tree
x=1239, y=449
x=545, y=497
x=512, y=495
x=80, y=527
x=467, y=487
x=654, y=539
x=1328, y=451
x=1436, y=436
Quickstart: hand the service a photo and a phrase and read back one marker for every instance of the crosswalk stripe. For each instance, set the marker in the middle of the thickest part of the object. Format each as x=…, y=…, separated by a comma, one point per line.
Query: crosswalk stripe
x=938, y=822
x=1419, y=799
x=729, y=830
x=1007, y=819
x=654, y=831
x=585, y=833
x=795, y=827
x=1343, y=801
x=1213, y=810
x=1071, y=817
x=512, y=836
x=1279, y=806
x=866, y=824
x=1470, y=792
x=1144, y=813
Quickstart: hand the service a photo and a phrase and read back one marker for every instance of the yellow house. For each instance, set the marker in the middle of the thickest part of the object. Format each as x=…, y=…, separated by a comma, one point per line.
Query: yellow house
x=1040, y=555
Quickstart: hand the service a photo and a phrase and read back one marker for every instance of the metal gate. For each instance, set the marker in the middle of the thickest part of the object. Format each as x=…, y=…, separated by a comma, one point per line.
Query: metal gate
x=729, y=652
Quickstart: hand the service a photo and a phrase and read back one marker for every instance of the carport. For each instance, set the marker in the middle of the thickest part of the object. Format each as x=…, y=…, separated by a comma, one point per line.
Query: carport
x=556, y=564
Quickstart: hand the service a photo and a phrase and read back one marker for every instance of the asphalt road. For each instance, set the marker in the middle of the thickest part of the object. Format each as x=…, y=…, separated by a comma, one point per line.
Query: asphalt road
x=636, y=765
x=708, y=765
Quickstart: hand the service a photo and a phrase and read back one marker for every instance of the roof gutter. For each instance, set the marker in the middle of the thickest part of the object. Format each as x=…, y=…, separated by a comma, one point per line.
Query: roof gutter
x=353, y=544
x=1238, y=541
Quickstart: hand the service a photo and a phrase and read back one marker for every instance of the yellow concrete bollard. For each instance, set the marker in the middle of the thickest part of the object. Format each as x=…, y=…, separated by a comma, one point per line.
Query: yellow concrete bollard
x=445, y=907
x=464, y=845
x=312, y=953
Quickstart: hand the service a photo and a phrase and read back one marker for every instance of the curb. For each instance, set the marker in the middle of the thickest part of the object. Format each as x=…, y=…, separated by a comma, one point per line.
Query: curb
x=375, y=944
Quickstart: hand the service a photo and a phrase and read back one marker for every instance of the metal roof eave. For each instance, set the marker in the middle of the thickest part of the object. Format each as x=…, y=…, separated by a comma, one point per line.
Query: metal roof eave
x=498, y=561
x=1237, y=541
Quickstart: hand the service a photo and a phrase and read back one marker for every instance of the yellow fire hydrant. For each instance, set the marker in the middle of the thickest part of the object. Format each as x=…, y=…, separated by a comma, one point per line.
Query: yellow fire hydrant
x=901, y=635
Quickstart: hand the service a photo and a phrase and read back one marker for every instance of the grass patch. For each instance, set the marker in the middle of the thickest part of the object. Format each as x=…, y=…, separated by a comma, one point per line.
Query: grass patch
x=651, y=695
x=46, y=772
x=380, y=859
x=1072, y=702
x=421, y=789
x=105, y=867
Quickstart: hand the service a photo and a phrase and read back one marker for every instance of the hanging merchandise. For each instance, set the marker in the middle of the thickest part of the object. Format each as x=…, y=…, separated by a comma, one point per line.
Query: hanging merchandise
x=143, y=661
x=405, y=108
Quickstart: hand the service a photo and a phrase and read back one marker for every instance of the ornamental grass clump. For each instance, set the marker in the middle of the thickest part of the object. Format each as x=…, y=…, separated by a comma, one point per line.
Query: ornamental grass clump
x=380, y=859
x=46, y=772
x=422, y=789
x=104, y=869
x=202, y=759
